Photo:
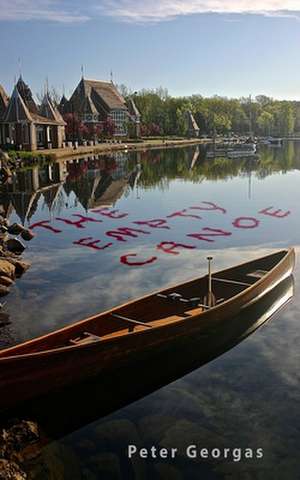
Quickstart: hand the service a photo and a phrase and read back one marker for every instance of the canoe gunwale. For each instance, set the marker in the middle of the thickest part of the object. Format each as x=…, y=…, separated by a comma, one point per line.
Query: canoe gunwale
x=289, y=252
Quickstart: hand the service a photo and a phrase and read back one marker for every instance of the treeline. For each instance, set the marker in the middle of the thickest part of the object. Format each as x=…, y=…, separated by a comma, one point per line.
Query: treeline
x=163, y=114
x=160, y=167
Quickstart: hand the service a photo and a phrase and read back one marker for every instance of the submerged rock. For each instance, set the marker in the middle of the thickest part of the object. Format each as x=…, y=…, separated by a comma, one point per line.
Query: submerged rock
x=14, y=439
x=3, y=290
x=11, y=471
x=4, y=318
x=19, y=443
x=6, y=281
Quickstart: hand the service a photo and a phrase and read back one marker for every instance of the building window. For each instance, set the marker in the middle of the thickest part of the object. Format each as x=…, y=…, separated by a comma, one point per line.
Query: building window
x=119, y=118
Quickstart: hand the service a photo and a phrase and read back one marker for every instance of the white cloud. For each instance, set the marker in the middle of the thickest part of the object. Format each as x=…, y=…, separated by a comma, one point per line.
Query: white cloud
x=137, y=11
x=50, y=10
x=149, y=11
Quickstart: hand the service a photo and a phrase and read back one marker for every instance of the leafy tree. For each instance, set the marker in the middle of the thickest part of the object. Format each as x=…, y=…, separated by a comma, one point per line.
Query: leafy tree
x=265, y=123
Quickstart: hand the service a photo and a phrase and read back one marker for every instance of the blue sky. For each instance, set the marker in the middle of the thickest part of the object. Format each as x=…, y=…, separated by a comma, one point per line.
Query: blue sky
x=225, y=47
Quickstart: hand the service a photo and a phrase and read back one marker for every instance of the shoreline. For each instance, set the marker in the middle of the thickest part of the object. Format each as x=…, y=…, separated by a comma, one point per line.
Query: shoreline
x=103, y=148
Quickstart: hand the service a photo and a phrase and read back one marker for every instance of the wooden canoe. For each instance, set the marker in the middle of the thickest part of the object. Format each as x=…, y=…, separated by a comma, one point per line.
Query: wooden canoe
x=57, y=414
x=110, y=339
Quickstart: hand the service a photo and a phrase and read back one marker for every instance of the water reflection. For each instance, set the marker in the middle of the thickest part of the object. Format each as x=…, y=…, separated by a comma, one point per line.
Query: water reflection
x=250, y=395
x=98, y=181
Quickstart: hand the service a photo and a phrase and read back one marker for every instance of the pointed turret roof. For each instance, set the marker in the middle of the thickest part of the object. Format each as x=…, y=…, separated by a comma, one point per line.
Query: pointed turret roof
x=63, y=105
x=48, y=110
x=17, y=110
x=26, y=94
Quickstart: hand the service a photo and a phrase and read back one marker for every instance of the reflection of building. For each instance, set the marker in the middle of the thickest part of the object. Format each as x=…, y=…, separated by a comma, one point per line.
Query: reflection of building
x=27, y=126
x=95, y=101
x=96, y=185
x=23, y=194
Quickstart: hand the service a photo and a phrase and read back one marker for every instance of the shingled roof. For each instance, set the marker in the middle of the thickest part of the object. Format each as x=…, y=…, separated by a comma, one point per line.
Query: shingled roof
x=107, y=91
x=49, y=111
x=26, y=94
x=93, y=96
x=63, y=105
x=17, y=110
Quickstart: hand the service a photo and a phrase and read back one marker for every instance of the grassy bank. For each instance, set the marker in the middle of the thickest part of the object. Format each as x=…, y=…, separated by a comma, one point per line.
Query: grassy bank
x=103, y=148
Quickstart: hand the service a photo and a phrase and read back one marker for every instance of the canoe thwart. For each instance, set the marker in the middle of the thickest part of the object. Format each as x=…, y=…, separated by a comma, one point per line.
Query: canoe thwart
x=234, y=282
x=130, y=320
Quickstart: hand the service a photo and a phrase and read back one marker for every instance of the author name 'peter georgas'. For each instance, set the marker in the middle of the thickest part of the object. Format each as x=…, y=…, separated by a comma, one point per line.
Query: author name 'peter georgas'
x=194, y=452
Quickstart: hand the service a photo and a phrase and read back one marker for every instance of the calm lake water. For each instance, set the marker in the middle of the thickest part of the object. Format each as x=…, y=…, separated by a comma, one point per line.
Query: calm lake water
x=111, y=228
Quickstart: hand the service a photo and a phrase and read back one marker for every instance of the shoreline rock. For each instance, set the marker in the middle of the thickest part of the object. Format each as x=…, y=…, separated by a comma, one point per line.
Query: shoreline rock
x=11, y=264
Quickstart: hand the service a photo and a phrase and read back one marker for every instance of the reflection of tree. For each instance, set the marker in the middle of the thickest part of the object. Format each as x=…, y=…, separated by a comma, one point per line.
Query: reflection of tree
x=159, y=168
x=104, y=179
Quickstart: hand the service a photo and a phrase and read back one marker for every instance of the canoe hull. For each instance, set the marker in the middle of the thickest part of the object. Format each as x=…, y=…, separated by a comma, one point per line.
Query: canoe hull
x=26, y=376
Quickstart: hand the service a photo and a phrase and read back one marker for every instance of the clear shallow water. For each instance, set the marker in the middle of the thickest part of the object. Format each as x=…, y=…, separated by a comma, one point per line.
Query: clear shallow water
x=248, y=396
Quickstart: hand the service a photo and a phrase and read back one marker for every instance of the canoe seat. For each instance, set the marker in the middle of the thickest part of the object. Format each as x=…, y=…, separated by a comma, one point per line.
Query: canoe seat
x=87, y=338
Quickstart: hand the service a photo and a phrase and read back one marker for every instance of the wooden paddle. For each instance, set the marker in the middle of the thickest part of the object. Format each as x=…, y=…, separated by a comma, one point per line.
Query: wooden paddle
x=209, y=299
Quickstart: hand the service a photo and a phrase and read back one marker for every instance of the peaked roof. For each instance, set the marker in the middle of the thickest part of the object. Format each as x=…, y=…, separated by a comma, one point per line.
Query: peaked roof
x=63, y=100
x=63, y=105
x=48, y=110
x=4, y=100
x=95, y=96
x=17, y=110
x=89, y=106
x=26, y=94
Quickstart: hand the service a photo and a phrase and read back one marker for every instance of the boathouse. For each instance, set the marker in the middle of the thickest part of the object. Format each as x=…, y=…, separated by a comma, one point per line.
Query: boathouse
x=27, y=126
x=96, y=101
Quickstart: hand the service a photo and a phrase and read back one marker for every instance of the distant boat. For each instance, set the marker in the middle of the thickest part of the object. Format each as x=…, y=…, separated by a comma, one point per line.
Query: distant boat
x=105, y=341
x=272, y=141
x=233, y=150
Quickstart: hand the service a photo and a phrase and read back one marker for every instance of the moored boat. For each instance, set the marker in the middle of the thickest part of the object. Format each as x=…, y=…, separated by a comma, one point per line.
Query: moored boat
x=109, y=339
x=57, y=413
x=233, y=150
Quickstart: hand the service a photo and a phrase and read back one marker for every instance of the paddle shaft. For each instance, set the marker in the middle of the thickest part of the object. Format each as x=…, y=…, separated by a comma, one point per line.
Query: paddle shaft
x=210, y=294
